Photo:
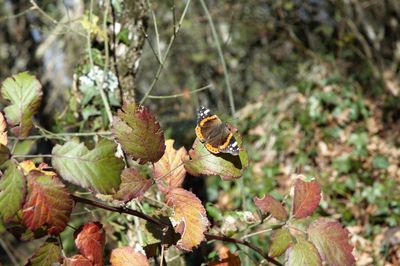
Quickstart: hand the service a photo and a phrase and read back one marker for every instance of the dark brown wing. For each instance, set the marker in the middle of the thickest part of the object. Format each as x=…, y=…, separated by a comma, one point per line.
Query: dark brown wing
x=215, y=132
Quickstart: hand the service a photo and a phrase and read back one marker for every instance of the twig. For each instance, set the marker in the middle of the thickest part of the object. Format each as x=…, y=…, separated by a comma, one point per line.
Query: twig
x=256, y=233
x=121, y=210
x=8, y=252
x=158, y=54
x=221, y=57
x=179, y=94
x=245, y=243
x=161, y=66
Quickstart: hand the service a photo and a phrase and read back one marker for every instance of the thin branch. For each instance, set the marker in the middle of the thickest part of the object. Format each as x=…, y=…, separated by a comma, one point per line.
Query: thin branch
x=121, y=210
x=245, y=243
x=158, y=54
x=161, y=66
x=62, y=135
x=221, y=57
x=179, y=94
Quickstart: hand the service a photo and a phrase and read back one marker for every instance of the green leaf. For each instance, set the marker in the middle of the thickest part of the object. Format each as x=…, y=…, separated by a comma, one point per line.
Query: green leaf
x=380, y=162
x=12, y=191
x=303, y=253
x=227, y=166
x=48, y=254
x=139, y=133
x=96, y=169
x=24, y=92
x=281, y=240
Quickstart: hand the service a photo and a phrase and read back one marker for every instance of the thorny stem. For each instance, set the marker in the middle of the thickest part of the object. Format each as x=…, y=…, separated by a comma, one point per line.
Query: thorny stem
x=165, y=226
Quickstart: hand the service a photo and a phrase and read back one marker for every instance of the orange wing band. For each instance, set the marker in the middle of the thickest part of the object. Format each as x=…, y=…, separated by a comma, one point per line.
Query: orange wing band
x=205, y=120
x=226, y=143
x=211, y=149
x=199, y=134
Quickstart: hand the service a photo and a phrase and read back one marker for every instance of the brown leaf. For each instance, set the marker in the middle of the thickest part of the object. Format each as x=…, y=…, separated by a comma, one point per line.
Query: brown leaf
x=306, y=198
x=189, y=217
x=90, y=240
x=226, y=258
x=3, y=131
x=169, y=171
x=268, y=204
x=133, y=185
x=127, y=256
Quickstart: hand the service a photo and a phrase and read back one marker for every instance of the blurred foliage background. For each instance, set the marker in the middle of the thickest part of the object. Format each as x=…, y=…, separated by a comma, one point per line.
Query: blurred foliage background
x=315, y=84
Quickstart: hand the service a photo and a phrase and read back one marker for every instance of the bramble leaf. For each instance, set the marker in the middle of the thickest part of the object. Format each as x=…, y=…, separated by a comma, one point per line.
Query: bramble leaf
x=303, y=253
x=269, y=204
x=280, y=241
x=4, y=154
x=169, y=171
x=3, y=131
x=133, y=185
x=139, y=133
x=90, y=240
x=96, y=169
x=77, y=260
x=12, y=191
x=48, y=254
x=332, y=242
x=48, y=203
x=226, y=258
x=189, y=217
x=24, y=92
x=127, y=256
x=201, y=161
x=306, y=198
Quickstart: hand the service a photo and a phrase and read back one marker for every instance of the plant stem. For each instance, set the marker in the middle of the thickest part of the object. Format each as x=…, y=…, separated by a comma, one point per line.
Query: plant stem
x=162, y=63
x=221, y=57
x=245, y=243
x=179, y=94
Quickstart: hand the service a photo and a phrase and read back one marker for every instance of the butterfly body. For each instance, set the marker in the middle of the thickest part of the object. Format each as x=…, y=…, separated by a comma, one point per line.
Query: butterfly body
x=215, y=134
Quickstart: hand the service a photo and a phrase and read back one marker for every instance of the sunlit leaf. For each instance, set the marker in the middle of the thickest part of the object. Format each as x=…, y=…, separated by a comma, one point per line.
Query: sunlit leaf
x=306, y=198
x=169, y=171
x=139, y=133
x=12, y=191
x=268, y=204
x=189, y=217
x=303, y=253
x=332, y=242
x=48, y=203
x=27, y=166
x=3, y=131
x=127, y=256
x=96, y=169
x=203, y=162
x=20, y=231
x=49, y=254
x=280, y=241
x=77, y=260
x=90, y=240
x=226, y=258
x=24, y=92
x=133, y=185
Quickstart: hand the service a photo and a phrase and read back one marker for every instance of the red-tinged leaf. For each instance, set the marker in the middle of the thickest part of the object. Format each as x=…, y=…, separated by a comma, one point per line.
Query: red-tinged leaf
x=48, y=203
x=133, y=185
x=332, y=242
x=12, y=192
x=226, y=258
x=3, y=131
x=169, y=171
x=24, y=92
x=280, y=241
x=203, y=162
x=306, y=198
x=97, y=169
x=77, y=260
x=189, y=217
x=127, y=256
x=303, y=253
x=139, y=133
x=90, y=240
x=48, y=254
x=268, y=204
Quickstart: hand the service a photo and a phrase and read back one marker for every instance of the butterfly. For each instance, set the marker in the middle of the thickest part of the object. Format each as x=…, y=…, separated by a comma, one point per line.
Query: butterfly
x=216, y=135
